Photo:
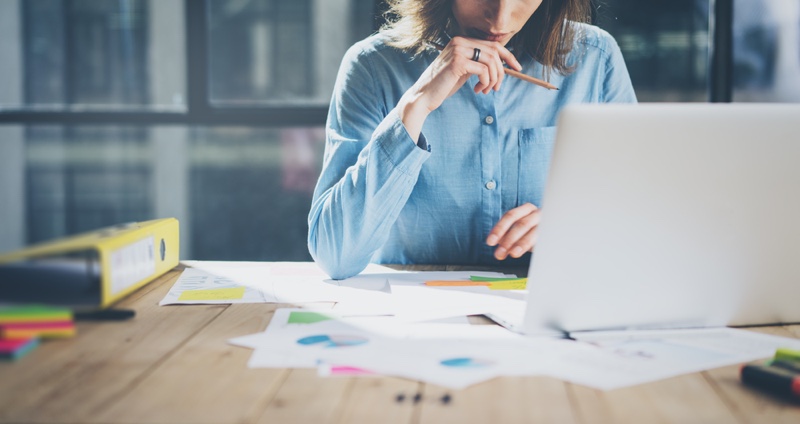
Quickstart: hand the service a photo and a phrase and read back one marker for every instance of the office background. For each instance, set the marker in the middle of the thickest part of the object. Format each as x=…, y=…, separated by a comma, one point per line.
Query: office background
x=212, y=111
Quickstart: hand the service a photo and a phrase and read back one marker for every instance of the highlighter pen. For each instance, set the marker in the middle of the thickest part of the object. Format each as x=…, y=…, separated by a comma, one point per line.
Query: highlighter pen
x=774, y=380
x=787, y=365
x=785, y=354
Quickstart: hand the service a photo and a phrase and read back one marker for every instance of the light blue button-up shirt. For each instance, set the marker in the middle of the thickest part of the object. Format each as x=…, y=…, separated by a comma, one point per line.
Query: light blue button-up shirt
x=383, y=198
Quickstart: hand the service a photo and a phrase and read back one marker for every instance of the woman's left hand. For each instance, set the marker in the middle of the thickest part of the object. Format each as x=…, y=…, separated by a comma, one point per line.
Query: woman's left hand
x=515, y=232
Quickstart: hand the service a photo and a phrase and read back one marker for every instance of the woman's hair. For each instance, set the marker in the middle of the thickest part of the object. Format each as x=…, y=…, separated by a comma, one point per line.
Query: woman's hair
x=548, y=35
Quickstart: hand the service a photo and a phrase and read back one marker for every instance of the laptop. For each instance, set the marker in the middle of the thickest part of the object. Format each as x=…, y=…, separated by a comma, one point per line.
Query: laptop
x=669, y=216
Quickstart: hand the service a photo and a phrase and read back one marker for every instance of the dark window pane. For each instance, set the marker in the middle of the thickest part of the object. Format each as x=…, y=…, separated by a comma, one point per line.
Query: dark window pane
x=665, y=45
x=92, y=54
x=280, y=52
x=766, y=51
x=240, y=193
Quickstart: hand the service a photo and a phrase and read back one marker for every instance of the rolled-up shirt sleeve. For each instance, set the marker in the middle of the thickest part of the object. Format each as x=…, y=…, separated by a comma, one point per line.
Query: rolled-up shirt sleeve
x=370, y=167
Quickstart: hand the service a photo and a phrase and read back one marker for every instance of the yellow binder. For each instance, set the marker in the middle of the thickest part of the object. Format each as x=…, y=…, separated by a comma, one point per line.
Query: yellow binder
x=94, y=269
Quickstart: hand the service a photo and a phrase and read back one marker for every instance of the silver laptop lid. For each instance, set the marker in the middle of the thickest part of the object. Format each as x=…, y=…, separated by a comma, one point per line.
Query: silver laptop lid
x=669, y=215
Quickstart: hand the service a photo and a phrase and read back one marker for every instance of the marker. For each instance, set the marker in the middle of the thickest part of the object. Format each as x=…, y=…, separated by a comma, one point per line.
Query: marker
x=789, y=355
x=787, y=365
x=105, y=315
x=774, y=380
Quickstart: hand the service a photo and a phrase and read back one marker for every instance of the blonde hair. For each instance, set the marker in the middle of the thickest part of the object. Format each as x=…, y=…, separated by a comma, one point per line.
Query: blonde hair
x=548, y=36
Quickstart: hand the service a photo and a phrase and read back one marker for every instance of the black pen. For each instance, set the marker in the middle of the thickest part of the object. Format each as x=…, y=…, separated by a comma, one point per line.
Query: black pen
x=105, y=315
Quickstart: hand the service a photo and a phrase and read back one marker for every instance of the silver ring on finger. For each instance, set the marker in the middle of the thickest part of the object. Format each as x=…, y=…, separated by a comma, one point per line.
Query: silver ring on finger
x=476, y=54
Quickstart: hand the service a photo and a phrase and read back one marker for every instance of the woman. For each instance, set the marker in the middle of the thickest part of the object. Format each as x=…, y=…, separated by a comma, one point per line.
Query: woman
x=439, y=157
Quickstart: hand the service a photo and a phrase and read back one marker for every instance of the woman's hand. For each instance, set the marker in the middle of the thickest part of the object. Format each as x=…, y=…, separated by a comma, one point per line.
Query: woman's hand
x=448, y=73
x=515, y=232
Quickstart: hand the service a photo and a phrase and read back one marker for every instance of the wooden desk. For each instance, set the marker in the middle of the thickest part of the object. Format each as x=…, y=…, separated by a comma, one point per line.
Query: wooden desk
x=173, y=365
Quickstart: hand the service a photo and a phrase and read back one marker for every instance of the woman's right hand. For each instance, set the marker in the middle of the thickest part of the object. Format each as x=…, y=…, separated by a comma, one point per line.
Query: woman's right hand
x=448, y=73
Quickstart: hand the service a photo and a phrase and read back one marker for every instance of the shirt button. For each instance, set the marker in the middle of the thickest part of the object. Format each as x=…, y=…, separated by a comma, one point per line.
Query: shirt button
x=489, y=120
x=491, y=185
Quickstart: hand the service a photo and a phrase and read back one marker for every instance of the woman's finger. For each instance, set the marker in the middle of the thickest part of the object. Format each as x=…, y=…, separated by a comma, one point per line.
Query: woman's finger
x=487, y=59
x=517, y=240
x=486, y=54
x=482, y=72
x=503, y=53
x=507, y=220
x=525, y=243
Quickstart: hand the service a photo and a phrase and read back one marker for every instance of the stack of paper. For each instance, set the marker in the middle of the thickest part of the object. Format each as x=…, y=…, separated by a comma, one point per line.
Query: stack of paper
x=452, y=355
x=381, y=324
x=458, y=355
x=378, y=290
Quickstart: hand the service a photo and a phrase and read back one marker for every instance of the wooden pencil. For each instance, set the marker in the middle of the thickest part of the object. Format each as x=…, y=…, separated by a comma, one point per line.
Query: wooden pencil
x=513, y=73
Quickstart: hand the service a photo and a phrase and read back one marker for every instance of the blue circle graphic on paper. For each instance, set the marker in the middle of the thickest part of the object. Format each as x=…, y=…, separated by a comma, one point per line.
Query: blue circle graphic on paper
x=466, y=363
x=330, y=341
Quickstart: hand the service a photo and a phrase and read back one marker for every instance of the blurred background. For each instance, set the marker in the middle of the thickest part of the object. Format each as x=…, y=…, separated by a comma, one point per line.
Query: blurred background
x=212, y=111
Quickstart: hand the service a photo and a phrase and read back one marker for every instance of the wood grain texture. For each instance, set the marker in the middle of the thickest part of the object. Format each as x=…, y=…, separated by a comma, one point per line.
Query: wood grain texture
x=69, y=380
x=501, y=400
x=206, y=380
x=172, y=364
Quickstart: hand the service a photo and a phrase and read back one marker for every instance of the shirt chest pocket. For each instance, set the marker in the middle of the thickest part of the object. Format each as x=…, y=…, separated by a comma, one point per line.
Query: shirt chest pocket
x=535, y=149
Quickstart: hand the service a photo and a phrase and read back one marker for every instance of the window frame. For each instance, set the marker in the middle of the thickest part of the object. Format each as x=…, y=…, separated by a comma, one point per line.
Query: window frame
x=200, y=111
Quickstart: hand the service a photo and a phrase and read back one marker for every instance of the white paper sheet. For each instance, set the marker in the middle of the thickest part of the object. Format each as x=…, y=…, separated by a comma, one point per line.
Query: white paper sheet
x=198, y=280
x=457, y=355
x=611, y=360
x=451, y=355
x=411, y=300
x=277, y=282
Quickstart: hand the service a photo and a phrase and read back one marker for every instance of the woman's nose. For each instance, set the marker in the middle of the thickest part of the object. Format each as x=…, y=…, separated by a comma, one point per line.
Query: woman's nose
x=498, y=13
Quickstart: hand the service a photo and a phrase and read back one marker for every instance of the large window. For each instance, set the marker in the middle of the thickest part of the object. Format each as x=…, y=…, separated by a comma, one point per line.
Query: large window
x=212, y=110
x=209, y=111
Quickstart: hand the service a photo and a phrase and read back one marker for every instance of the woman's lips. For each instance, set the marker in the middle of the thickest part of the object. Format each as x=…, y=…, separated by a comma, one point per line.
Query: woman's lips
x=489, y=36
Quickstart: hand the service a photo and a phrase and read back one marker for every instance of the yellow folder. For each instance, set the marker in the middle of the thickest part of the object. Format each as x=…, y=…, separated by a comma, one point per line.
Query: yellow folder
x=94, y=269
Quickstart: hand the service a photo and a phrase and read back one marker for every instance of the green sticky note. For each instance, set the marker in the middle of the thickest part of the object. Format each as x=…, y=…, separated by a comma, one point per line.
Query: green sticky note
x=33, y=313
x=518, y=284
x=491, y=279
x=307, y=317
x=234, y=293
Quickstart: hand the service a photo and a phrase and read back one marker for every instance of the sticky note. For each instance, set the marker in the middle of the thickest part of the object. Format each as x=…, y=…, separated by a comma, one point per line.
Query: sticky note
x=306, y=317
x=491, y=279
x=33, y=313
x=46, y=329
x=213, y=294
x=14, y=349
x=518, y=284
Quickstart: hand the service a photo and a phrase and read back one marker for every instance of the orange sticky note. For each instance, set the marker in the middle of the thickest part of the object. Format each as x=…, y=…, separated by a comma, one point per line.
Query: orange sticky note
x=26, y=330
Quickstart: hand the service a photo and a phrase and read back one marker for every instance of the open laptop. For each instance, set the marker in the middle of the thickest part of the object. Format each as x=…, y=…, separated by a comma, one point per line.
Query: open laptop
x=668, y=216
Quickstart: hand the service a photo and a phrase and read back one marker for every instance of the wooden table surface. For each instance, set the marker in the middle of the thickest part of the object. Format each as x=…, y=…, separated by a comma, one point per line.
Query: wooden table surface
x=172, y=364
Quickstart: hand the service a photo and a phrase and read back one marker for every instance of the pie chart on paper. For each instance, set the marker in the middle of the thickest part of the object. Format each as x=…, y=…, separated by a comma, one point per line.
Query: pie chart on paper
x=466, y=363
x=332, y=340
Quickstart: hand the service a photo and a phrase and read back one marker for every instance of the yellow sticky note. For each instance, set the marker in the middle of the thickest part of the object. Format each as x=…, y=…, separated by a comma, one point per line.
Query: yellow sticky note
x=518, y=284
x=213, y=294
